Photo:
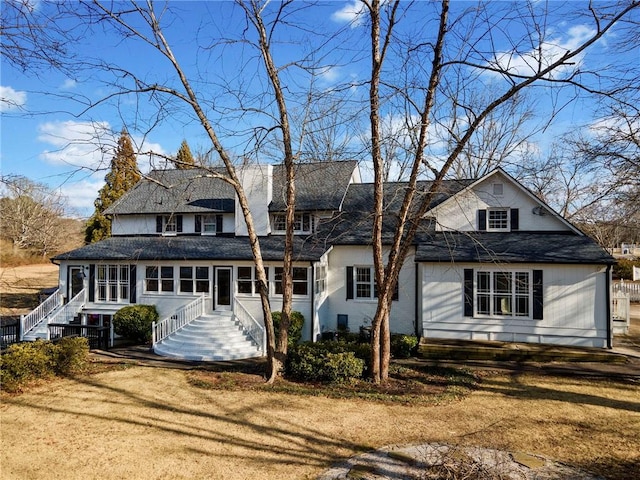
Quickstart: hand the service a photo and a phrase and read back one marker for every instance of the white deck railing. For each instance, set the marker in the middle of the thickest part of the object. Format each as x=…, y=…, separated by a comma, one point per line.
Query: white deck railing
x=621, y=307
x=174, y=322
x=29, y=321
x=250, y=325
x=69, y=311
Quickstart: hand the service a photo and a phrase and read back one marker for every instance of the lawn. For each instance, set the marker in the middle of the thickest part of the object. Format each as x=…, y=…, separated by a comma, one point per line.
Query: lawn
x=161, y=423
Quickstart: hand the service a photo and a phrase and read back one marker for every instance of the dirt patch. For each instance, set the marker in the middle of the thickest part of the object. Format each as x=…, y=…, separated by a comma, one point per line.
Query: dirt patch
x=150, y=422
x=19, y=287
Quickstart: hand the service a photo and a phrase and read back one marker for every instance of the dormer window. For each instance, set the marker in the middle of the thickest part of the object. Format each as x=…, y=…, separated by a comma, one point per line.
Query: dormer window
x=302, y=223
x=169, y=224
x=209, y=224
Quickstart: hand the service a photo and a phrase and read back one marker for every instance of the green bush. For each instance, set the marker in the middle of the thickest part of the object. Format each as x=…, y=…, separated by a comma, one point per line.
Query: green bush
x=624, y=268
x=403, y=346
x=295, y=327
x=24, y=362
x=71, y=355
x=134, y=322
x=327, y=361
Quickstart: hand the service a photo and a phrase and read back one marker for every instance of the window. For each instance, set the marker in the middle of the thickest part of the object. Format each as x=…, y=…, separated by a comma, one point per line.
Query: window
x=503, y=293
x=300, y=280
x=208, y=224
x=169, y=224
x=159, y=279
x=302, y=222
x=194, y=279
x=361, y=284
x=113, y=283
x=247, y=280
x=498, y=189
x=321, y=278
x=498, y=219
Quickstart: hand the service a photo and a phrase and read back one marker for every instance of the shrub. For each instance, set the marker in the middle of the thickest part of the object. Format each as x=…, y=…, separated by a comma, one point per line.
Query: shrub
x=28, y=361
x=402, y=346
x=295, y=327
x=71, y=355
x=326, y=362
x=134, y=322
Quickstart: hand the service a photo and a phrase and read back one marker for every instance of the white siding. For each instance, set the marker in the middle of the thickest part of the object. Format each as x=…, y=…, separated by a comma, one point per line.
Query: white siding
x=460, y=212
x=574, y=298
x=361, y=312
x=133, y=225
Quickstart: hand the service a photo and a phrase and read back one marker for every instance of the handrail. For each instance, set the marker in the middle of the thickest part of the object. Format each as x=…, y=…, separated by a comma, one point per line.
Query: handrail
x=250, y=325
x=182, y=316
x=68, y=311
x=33, y=318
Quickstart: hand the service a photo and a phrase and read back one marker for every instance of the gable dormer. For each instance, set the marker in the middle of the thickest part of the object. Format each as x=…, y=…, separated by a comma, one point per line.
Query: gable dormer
x=497, y=203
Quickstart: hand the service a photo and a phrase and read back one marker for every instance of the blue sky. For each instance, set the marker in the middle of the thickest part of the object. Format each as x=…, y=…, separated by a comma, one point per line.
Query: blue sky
x=49, y=135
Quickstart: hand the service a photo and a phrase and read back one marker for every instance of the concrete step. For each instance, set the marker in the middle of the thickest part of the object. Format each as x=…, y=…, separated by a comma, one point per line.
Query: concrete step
x=209, y=338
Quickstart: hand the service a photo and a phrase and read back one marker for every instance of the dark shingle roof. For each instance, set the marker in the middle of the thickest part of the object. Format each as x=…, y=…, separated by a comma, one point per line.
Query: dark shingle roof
x=319, y=185
x=177, y=191
x=354, y=224
x=513, y=247
x=189, y=248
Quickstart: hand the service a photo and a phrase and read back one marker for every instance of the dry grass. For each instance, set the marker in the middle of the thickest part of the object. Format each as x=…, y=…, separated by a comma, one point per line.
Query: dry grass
x=19, y=286
x=144, y=422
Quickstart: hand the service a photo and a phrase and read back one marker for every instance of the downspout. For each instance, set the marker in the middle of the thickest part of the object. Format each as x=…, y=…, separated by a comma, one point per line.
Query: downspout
x=608, y=293
x=416, y=303
x=313, y=301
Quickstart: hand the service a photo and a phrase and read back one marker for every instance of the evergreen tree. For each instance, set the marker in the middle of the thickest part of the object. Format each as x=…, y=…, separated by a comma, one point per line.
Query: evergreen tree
x=124, y=174
x=184, y=159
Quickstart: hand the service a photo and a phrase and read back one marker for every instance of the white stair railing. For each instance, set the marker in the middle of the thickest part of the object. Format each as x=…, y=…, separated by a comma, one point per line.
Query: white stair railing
x=69, y=311
x=250, y=325
x=29, y=321
x=174, y=322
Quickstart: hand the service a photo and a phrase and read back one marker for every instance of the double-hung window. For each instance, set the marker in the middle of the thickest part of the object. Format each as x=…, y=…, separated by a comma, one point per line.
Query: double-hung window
x=247, y=280
x=500, y=293
x=361, y=284
x=112, y=283
x=194, y=279
x=321, y=278
x=300, y=280
x=497, y=219
x=159, y=279
x=169, y=224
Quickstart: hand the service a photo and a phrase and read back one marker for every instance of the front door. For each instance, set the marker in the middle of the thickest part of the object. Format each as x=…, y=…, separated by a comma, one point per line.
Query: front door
x=75, y=282
x=222, y=288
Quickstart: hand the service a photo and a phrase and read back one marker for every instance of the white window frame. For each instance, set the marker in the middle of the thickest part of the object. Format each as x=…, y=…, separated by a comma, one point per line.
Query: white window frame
x=299, y=221
x=112, y=283
x=499, y=224
x=364, y=281
x=490, y=301
x=199, y=284
x=320, y=278
x=297, y=282
x=162, y=281
x=209, y=224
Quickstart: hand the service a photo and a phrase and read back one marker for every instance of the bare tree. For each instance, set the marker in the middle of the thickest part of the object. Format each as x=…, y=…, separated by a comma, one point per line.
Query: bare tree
x=31, y=216
x=453, y=56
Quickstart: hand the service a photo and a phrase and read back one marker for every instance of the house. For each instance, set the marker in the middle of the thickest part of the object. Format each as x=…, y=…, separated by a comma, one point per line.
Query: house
x=490, y=262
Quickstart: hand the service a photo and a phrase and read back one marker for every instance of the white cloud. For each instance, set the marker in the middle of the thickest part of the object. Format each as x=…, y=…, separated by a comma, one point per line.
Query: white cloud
x=11, y=99
x=329, y=74
x=80, y=196
x=351, y=13
x=68, y=84
x=549, y=52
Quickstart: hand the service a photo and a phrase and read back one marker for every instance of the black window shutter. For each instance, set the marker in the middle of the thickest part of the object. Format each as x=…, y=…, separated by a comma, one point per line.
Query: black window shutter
x=538, y=302
x=515, y=219
x=92, y=282
x=159, y=224
x=132, y=284
x=179, y=223
x=198, y=223
x=218, y=223
x=482, y=220
x=468, y=292
x=349, y=283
